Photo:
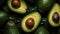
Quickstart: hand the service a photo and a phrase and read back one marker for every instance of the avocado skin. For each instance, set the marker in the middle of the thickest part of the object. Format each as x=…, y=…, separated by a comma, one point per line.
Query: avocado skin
x=41, y=30
x=11, y=29
x=3, y=17
x=44, y=5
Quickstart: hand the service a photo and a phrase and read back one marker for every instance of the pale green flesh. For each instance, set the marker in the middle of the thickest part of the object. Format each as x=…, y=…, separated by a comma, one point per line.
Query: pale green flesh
x=36, y=18
x=53, y=10
x=21, y=9
x=59, y=14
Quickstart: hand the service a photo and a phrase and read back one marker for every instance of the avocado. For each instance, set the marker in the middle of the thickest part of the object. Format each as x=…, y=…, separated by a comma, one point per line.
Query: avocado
x=18, y=6
x=53, y=16
x=44, y=5
x=41, y=30
x=11, y=28
x=30, y=22
x=3, y=17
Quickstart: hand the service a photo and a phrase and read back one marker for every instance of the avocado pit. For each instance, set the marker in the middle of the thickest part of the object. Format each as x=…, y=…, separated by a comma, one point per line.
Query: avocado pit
x=55, y=17
x=29, y=23
x=15, y=3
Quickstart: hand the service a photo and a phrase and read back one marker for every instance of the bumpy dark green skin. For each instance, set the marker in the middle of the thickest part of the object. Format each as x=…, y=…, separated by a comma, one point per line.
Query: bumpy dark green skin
x=3, y=17
x=41, y=30
x=11, y=29
x=45, y=4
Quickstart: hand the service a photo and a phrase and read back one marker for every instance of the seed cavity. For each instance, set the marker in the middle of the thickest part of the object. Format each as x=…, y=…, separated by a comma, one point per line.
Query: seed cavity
x=15, y=3
x=29, y=23
x=55, y=17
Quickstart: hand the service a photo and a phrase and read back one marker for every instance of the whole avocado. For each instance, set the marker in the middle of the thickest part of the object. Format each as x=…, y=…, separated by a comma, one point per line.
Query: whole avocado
x=3, y=17
x=45, y=5
x=41, y=30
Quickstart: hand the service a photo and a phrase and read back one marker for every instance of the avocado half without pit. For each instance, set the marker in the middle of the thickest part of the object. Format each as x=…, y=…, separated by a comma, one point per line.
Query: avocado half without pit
x=18, y=6
x=30, y=22
x=54, y=16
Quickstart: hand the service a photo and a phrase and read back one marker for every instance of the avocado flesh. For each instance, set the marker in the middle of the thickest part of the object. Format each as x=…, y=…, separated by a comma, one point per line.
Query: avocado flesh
x=41, y=30
x=36, y=16
x=21, y=9
x=53, y=10
x=11, y=29
x=59, y=15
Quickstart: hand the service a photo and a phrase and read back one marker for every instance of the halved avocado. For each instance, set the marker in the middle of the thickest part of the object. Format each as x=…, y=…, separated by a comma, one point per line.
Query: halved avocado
x=53, y=16
x=30, y=22
x=18, y=6
x=41, y=30
x=11, y=28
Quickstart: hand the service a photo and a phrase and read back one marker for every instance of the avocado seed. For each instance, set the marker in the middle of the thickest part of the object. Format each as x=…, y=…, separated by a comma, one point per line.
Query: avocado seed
x=15, y=3
x=55, y=17
x=30, y=23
